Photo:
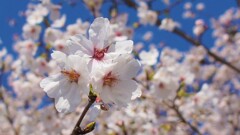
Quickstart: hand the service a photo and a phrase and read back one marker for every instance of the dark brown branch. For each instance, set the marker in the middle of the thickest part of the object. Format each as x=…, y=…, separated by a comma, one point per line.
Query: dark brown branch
x=167, y=10
x=197, y=43
x=77, y=129
x=175, y=108
x=238, y=3
x=180, y=116
x=130, y=3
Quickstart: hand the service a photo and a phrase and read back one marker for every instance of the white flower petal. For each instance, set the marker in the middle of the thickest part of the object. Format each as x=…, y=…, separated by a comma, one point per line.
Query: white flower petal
x=51, y=85
x=59, y=57
x=59, y=22
x=130, y=69
x=80, y=43
x=122, y=47
x=99, y=32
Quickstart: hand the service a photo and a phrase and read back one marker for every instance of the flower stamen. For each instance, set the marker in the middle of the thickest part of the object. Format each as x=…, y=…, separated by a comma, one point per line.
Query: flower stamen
x=109, y=79
x=99, y=54
x=72, y=75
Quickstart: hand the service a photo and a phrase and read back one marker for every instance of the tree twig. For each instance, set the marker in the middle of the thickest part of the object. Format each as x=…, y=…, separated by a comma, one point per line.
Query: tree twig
x=77, y=129
x=210, y=53
x=180, y=116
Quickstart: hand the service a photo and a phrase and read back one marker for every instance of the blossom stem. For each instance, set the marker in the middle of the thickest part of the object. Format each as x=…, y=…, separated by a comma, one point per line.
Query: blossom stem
x=180, y=116
x=175, y=108
x=77, y=129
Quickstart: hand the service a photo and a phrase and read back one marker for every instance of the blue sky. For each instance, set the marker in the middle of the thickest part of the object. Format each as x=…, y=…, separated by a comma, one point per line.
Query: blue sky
x=11, y=8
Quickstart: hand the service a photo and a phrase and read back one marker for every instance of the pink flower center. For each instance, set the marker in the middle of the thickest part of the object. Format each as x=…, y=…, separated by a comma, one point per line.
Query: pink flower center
x=43, y=64
x=99, y=54
x=109, y=79
x=72, y=75
x=182, y=79
x=30, y=46
x=161, y=85
x=60, y=47
x=118, y=34
x=33, y=30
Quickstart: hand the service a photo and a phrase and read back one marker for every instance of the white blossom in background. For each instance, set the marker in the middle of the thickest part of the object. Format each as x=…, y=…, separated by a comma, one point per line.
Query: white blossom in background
x=187, y=5
x=167, y=2
x=77, y=28
x=146, y=15
x=31, y=31
x=168, y=24
x=37, y=15
x=119, y=30
x=52, y=34
x=165, y=84
x=200, y=6
x=61, y=45
x=26, y=47
x=148, y=36
x=199, y=27
x=149, y=58
x=188, y=14
x=58, y=23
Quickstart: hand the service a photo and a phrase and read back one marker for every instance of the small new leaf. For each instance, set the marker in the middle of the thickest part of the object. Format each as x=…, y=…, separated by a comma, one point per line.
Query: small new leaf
x=90, y=127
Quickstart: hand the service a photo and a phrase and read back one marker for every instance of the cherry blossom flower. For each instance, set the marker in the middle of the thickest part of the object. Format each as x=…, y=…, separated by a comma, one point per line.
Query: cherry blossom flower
x=99, y=47
x=165, y=84
x=58, y=23
x=31, y=31
x=146, y=15
x=149, y=58
x=36, y=16
x=200, y=6
x=66, y=86
x=114, y=83
x=168, y=24
x=199, y=27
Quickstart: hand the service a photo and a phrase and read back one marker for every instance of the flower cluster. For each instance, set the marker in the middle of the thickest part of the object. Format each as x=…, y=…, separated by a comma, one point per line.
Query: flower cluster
x=62, y=65
x=98, y=61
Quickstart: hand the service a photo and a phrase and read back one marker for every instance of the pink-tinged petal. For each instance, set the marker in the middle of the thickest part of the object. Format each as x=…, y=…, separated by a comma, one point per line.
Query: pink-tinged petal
x=122, y=47
x=80, y=44
x=99, y=32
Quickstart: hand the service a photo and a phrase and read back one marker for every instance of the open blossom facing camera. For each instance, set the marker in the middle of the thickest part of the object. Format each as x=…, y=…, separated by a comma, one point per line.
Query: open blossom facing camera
x=68, y=85
x=96, y=61
x=99, y=47
x=114, y=81
x=165, y=83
